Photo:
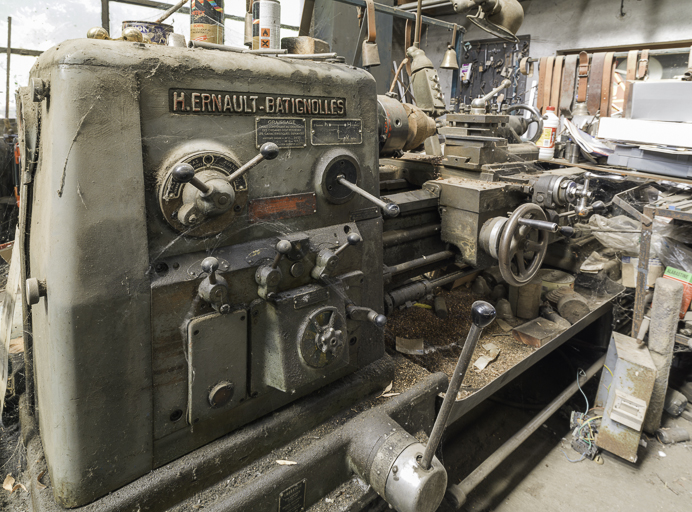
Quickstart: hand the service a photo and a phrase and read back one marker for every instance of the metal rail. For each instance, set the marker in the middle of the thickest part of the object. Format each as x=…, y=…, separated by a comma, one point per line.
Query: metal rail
x=398, y=13
x=457, y=493
x=183, y=10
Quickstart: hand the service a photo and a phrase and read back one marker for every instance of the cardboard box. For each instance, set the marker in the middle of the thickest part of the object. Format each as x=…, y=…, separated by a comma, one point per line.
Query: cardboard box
x=630, y=271
x=686, y=279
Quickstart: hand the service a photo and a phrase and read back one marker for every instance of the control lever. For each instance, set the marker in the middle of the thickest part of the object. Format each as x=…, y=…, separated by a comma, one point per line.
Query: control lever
x=583, y=191
x=362, y=314
x=482, y=315
x=268, y=151
x=543, y=225
x=478, y=104
x=217, y=194
x=389, y=209
x=214, y=289
x=327, y=259
x=269, y=276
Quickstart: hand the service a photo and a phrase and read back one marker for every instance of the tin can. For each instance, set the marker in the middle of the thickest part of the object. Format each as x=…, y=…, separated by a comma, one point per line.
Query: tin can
x=156, y=33
x=266, y=25
x=206, y=21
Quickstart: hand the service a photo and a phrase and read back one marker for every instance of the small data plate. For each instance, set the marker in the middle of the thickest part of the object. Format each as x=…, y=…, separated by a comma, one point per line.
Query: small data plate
x=282, y=207
x=327, y=132
x=293, y=498
x=285, y=132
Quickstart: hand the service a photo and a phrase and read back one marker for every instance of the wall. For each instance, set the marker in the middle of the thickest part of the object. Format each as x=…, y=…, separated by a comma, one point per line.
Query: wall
x=574, y=24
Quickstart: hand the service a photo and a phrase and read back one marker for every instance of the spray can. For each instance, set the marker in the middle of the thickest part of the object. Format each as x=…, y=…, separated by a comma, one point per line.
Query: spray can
x=206, y=21
x=266, y=25
x=546, y=144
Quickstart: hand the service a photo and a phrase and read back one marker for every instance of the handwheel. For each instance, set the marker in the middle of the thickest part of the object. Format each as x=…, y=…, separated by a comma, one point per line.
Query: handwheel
x=536, y=117
x=522, y=249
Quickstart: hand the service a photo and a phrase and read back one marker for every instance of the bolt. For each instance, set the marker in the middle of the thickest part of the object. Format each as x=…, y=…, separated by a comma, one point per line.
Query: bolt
x=225, y=309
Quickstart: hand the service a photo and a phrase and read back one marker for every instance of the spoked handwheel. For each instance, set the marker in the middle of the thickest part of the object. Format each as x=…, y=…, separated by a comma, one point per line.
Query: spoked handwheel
x=522, y=249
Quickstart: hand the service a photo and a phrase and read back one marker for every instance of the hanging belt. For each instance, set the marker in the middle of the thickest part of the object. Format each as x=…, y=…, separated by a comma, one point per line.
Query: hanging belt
x=548, y=82
x=583, y=76
x=542, y=66
x=593, y=101
x=632, y=65
x=568, y=78
x=643, y=69
x=557, y=81
x=607, y=84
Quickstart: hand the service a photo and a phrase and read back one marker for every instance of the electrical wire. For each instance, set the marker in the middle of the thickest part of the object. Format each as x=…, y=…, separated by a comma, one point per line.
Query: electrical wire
x=573, y=461
x=582, y=373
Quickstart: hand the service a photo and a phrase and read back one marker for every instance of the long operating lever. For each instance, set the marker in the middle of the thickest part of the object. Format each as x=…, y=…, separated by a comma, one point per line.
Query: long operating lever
x=268, y=151
x=479, y=103
x=389, y=209
x=482, y=315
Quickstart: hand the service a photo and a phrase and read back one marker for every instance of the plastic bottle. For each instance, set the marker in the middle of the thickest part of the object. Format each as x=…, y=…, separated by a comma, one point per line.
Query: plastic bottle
x=546, y=144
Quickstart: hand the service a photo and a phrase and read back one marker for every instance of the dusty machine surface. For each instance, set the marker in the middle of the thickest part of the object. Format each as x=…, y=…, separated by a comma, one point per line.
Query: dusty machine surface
x=207, y=264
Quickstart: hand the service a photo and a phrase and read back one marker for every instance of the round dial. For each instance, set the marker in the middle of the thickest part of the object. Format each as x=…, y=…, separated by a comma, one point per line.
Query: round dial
x=174, y=197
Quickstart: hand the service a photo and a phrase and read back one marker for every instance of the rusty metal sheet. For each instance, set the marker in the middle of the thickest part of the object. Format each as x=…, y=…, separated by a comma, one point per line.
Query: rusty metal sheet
x=282, y=207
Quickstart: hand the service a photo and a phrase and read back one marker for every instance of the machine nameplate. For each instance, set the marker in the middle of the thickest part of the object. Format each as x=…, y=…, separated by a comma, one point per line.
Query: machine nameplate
x=293, y=498
x=198, y=101
x=326, y=132
x=285, y=132
x=365, y=213
x=310, y=298
x=282, y=207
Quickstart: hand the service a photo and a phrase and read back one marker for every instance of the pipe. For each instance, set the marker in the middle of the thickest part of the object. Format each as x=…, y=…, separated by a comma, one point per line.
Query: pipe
x=419, y=262
x=235, y=49
x=416, y=37
x=427, y=4
x=457, y=494
x=401, y=236
x=420, y=288
x=314, y=56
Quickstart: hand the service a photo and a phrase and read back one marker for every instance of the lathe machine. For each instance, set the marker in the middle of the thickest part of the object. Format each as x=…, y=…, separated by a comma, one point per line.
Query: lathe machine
x=204, y=242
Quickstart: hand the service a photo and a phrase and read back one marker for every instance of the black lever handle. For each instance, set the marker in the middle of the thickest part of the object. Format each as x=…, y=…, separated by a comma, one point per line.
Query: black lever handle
x=185, y=173
x=268, y=151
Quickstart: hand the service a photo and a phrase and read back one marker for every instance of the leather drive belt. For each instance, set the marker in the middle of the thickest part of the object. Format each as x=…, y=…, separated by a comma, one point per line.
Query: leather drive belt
x=548, y=82
x=632, y=65
x=643, y=68
x=557, y=81
x=542, y=66
x=569, y=76
x=607, y=84
x=593, y=100
x=526, y=66
x=583, y=76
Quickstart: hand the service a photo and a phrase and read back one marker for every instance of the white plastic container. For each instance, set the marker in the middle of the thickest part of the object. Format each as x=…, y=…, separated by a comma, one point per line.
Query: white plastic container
x=546, y=144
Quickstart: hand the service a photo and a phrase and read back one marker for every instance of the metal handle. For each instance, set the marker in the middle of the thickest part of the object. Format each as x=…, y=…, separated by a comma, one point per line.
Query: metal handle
x=210, y=265
x=185, y=173
x=389, y=209
x=482, y=315
x=352, y=239
x=505, y=83
x=268, y=151
x=283, y=247
x=361, y=314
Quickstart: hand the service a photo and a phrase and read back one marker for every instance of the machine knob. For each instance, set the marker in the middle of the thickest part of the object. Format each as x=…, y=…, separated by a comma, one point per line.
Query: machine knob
x=210, y=265
x=482, y=314
x=352, y=239
x=185, y=173
x=361, y=314
x=35, y=289
x=269, y=151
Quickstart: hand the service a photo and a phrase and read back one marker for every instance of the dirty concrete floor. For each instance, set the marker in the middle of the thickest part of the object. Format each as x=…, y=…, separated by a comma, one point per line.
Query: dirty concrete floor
x=538, y=476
